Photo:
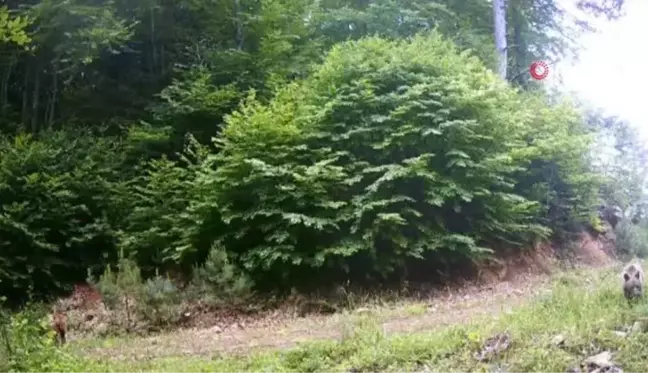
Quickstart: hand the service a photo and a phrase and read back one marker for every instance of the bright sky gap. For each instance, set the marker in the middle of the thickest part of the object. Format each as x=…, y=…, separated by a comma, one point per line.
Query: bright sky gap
x=613, y=69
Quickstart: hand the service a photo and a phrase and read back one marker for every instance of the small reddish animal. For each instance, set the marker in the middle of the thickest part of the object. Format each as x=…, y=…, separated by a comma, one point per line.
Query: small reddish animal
x=85, y=297
x=59, y=324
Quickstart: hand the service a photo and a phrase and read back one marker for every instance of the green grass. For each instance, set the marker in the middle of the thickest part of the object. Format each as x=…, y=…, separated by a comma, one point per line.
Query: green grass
x=585, y=307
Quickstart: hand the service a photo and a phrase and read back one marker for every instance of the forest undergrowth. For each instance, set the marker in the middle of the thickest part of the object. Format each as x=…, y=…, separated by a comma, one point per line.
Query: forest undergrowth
x=553, y=324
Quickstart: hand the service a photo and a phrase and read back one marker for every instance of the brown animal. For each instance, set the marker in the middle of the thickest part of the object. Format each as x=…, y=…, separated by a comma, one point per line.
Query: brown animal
x=633, y=279
x=59, y=324
x=85, y=297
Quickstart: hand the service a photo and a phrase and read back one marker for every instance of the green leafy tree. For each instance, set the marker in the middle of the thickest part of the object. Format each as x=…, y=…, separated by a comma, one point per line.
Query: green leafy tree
x=67, y=37
x=354, y=161
x=389, y=151
x=57, y=209
x=160, y=230
x=620, y=155
x=13, y=29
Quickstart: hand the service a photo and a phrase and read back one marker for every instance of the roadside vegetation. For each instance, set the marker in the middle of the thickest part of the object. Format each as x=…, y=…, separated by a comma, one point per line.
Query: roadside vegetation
x=580, y=314
x=163, y=161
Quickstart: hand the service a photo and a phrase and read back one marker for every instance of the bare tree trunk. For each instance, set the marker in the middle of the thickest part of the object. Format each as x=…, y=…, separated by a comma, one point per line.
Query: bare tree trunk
x=25, y=97
x=162, y=60
x=4, y=89
x=520, y=48
x=49, y=120
x=153, y=46
x=239, y=24
x=499, y=19
x=35, y=101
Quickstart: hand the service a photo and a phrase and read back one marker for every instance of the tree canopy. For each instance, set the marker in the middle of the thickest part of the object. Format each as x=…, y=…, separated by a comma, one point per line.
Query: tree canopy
x=302, y=142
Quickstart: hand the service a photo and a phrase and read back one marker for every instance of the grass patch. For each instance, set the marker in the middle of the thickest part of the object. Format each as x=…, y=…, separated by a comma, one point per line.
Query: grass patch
x=585, y=307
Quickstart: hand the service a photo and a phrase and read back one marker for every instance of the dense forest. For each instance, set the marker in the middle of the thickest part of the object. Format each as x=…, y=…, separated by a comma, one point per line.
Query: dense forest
x=274, y=144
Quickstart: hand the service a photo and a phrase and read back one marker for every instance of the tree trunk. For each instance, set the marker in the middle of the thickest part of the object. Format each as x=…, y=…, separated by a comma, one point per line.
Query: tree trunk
x=520, y=49
x=153, y=46
x=25, y=97
x=4, y=89
x=499, y=19
x=52, y=102
x=35, y=101
x=239, y=24
x=162, y=60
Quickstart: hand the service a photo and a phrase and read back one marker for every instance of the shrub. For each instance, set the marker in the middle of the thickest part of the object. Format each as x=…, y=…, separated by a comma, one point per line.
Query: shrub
x=135, y=304
x=160, y=230
x=631, y=239
x=122, y=290
x=188, y=104
x=157, y=231
x=390, y=150
x=558, y=173
x=27, y=343
x=57, y=198
x=218, y=282
x=161, y=303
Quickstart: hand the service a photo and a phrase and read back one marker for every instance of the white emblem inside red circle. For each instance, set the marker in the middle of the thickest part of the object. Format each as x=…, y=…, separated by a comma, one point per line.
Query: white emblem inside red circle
x=539, y=70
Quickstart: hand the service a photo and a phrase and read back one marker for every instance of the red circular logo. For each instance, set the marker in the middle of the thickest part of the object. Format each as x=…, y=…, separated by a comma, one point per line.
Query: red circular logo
x=539, y=70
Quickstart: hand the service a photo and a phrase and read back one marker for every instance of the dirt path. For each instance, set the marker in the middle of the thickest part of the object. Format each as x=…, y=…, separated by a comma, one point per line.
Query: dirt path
x=446, y=308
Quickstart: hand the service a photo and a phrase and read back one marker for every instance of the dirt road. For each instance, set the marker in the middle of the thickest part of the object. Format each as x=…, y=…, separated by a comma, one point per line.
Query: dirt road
x=280, y=331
